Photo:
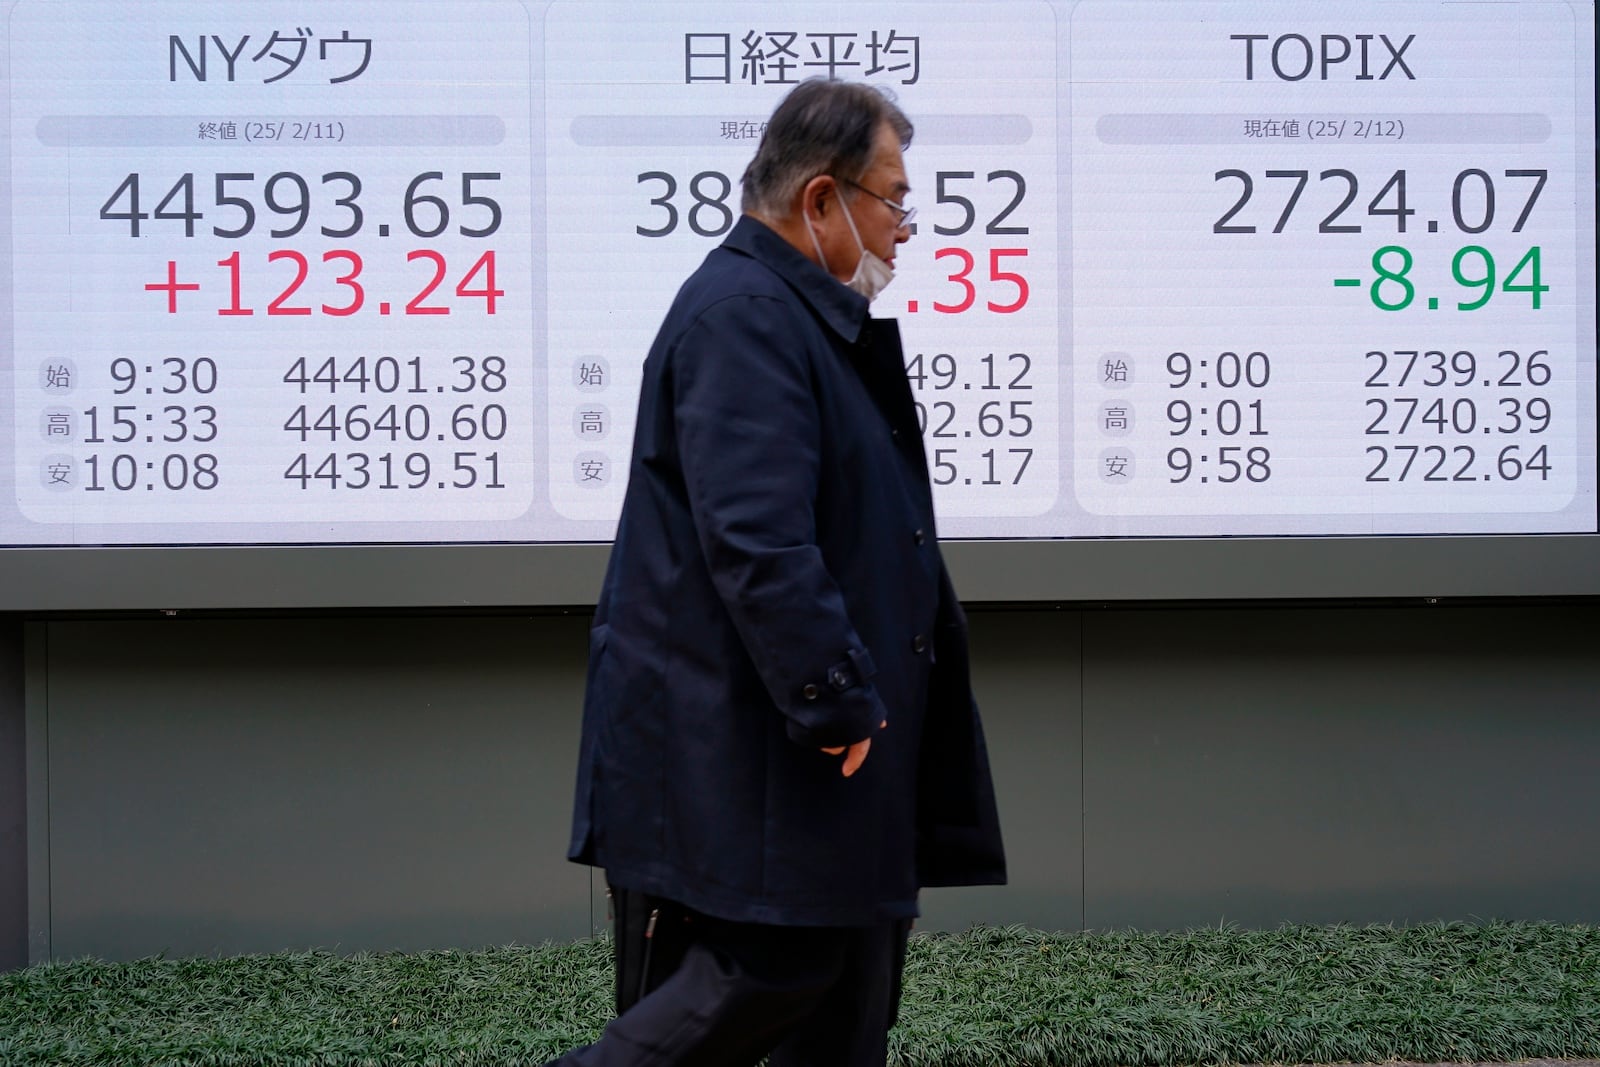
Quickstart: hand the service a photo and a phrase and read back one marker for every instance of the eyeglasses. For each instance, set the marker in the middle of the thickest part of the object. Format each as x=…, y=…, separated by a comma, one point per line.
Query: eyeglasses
x=903, y=214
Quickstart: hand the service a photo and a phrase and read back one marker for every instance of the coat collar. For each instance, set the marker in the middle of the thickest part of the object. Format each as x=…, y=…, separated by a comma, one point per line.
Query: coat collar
x=842, y=308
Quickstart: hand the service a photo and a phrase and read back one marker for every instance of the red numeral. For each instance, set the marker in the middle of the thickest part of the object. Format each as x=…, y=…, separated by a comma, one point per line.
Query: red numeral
x=479, y=282
x=996, y=274
x=960, y=278
x=301, y=268
x=489, y=293
x=357, y=294
x=963, y=278
x=233, y=308
x=416, y=307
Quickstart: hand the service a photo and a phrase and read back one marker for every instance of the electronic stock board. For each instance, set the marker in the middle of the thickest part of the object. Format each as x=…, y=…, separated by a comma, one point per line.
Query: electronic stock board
x=1204, y=298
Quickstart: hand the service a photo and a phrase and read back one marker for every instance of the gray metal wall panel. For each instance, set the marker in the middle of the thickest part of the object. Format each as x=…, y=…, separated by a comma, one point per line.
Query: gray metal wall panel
x=234, y=786
x=1342, y=765
x=36, y=680
x=248, y=785
x=13, y=800
x=515, y=575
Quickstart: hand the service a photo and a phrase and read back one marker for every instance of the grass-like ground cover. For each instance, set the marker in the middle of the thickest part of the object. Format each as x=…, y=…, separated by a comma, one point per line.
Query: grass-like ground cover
x=986, y=998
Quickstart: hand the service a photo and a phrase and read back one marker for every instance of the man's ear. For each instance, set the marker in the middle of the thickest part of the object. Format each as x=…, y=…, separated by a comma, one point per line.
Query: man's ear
x=818, y=195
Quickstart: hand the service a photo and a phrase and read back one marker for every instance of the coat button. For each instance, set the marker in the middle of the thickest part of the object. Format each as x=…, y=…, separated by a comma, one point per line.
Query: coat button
x=838, y=679
x=894, y=435
x=920, y=537
x=809, y=692
x=919, y=644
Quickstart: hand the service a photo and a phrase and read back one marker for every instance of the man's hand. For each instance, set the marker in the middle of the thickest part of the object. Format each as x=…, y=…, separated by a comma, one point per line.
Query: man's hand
x=856, y=754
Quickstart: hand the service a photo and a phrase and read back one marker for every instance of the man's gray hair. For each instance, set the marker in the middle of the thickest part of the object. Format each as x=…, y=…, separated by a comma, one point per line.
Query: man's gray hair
x=821, y=127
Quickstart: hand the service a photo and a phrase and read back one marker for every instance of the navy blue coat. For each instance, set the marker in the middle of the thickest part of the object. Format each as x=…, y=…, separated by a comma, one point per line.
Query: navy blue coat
x=776, y=587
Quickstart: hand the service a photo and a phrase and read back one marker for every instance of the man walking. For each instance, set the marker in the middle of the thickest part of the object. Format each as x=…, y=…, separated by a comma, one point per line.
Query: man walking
x=780, y=745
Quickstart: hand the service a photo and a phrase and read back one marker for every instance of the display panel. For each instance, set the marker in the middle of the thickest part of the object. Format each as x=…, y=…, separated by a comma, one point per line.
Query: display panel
x=272, y=281
x=978, y=288
x=383, y=274
x=1353, y=303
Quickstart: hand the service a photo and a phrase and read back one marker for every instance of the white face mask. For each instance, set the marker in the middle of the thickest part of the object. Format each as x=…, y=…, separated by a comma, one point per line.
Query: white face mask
x=872, y=274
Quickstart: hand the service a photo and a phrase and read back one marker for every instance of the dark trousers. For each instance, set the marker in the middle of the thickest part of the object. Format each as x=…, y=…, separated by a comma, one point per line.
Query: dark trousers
x=700, y=991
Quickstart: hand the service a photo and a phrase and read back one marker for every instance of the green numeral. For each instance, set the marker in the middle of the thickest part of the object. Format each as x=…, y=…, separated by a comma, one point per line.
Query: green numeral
x=1531, y=262
x=1484, y=280
x=1408, y=291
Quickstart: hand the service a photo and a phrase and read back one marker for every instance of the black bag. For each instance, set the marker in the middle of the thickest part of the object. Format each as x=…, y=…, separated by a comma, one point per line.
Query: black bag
x=649, y=936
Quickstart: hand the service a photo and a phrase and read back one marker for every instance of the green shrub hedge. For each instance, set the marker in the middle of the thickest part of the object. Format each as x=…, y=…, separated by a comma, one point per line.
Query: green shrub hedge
x=989, y=997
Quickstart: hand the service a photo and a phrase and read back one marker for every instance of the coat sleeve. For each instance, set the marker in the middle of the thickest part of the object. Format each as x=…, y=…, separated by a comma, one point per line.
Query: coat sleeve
x=748, y=430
